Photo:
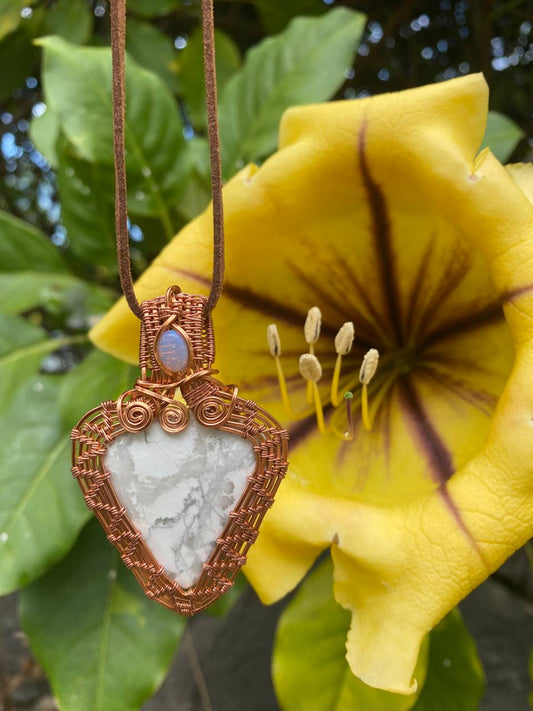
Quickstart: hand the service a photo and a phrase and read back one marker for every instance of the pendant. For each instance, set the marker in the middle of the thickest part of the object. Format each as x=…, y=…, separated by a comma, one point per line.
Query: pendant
x=180, y=486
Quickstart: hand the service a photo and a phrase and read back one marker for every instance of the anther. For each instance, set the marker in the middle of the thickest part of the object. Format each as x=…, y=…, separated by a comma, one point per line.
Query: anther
x=311, y=370
x=343, y=345
x=367, y=372
x=273, y=339
x=369, y=366
x=344, y=338
x=312, y=325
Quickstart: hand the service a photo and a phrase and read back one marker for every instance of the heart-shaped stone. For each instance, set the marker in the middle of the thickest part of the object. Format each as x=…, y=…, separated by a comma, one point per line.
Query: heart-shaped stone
x=179, y=489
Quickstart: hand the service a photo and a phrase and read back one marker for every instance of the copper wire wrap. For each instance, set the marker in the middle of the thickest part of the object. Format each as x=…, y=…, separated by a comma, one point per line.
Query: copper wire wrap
x=214, y=405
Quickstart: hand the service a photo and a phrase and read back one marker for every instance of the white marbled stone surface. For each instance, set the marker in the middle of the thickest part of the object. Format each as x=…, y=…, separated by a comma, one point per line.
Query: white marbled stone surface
x=179, y=489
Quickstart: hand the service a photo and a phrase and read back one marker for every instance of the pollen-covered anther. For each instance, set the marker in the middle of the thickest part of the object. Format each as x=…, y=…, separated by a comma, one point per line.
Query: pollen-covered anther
x=344, y=338
x=311, y=370
x=367, y=372
x=369, y=366
x=273, y=339
x=312, y=326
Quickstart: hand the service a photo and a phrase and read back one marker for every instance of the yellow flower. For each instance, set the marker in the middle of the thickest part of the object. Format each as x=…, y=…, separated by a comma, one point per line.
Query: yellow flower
x=379, y=212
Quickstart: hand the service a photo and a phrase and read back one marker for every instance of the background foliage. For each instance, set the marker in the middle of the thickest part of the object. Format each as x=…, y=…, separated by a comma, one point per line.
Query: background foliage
x=58, y=274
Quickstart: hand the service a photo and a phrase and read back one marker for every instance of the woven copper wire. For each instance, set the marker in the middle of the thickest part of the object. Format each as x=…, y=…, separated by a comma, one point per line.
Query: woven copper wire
x=214, y=405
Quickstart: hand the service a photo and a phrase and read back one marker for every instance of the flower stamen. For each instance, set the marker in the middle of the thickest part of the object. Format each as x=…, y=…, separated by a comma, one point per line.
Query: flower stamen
x=311, y=370
x=312, y=326
x=366, y=373
x=274, y=344
x=343, y=345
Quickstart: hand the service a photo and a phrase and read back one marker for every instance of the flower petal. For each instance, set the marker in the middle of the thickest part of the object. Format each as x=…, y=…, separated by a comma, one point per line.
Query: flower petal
x=355, y=213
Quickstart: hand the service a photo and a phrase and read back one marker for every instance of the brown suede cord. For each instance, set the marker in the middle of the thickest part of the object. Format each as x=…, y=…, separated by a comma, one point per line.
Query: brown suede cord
x=210, y=74
x=118, y=49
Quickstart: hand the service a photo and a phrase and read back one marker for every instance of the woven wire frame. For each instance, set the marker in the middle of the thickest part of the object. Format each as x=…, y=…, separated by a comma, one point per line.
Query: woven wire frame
x=214, y=405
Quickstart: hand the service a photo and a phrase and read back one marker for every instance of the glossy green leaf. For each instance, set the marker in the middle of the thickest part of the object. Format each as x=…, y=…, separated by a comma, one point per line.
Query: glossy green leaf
x=501, y=135
x=22, y=349
x=192, y=71
x=87, y=206
x=44, y=132
x=24, y=247
x=275, y=14
x=276, y=74
x=41, y=510
x=25, y=290
x=154, y=50
x=152, y=8
x=102, y=643
x=71, y=19
x=455, y=678
x=197, y=193
x=99, y=377
x=309, y=667
x=77, y=82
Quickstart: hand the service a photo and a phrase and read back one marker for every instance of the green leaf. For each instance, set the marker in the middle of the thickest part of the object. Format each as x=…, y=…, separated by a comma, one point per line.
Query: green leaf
x=99, y=377
x=154, y=50
x=197, y=193
x=22, y=291
x=41, y=510
x=102, y=643
x=10, y=17
x=18, y=56
x=275, y=14
x=77, y=82
x=152, y=8
x=501, y=135
x=305, y=63
x=192, y=71
x=87, y=207
x=309, y=667
x=71, y=19
x=24, y=247
x=22, y=348
x=455, y=678
x=44, y=132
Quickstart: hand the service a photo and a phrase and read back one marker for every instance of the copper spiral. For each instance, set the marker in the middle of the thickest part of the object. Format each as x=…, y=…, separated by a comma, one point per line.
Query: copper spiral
x=174, y=417
x=134, y=415
x=212, y=411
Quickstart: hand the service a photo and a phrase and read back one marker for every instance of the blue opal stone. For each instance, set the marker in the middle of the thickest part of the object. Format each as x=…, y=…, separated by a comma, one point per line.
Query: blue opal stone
x=173, y=351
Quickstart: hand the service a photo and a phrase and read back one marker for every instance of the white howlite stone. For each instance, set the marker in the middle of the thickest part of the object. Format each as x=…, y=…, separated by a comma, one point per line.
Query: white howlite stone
x=173, y=351
x=179, y=489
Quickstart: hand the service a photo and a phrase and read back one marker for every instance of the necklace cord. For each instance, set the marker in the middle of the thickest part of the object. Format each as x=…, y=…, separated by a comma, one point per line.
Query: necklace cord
x=118, y=50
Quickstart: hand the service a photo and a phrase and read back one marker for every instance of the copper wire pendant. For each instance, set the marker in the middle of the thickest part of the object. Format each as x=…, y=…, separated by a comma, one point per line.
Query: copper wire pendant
x=213, y=405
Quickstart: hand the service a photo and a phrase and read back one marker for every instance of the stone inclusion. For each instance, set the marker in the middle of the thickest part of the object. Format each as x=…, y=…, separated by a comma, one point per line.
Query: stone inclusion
x=179, y=489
